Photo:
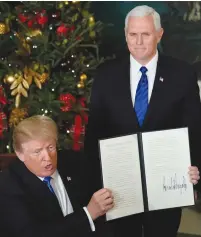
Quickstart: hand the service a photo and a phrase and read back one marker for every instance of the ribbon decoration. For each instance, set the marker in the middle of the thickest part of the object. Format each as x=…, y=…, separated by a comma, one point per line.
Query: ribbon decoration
x=3, y=100
x=3, y=123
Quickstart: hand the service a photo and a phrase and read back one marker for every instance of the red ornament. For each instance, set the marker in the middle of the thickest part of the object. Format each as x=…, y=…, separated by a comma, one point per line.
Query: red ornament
x=68, y=100
x=22, y=18
x=42, y=18
x=30, y=23
x=62, y=30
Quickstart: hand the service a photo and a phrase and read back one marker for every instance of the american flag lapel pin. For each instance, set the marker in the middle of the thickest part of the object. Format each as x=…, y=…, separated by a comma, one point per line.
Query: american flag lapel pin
x=68, y=178
x=161, y=79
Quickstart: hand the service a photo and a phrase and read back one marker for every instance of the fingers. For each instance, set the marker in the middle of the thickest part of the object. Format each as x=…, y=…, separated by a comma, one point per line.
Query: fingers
x=194, y=174
x=102, y=191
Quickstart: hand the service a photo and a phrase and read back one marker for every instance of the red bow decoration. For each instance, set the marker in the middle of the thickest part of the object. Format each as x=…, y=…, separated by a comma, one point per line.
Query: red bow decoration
x=3, y=100
x=78, y=128
x=3, y=123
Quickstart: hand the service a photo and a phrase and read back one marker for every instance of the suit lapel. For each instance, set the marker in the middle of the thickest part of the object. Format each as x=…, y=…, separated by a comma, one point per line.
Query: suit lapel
x=68, y=181
x=126, y=92
x=158, y=89
x=36, y=190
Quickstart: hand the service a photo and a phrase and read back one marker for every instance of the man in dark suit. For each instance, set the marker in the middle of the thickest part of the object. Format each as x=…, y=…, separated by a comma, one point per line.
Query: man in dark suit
x=144, y=91
x=40, y=198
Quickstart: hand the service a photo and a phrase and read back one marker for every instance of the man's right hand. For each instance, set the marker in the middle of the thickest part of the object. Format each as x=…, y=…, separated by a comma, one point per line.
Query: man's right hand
x=100, y=203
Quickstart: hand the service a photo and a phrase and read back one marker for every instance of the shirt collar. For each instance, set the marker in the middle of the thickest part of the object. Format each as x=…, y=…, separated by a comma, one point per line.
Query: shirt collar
x=54, y=175
x=151, y=65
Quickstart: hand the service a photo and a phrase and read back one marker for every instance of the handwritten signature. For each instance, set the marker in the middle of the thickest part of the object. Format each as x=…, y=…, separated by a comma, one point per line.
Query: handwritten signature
x=172, y=183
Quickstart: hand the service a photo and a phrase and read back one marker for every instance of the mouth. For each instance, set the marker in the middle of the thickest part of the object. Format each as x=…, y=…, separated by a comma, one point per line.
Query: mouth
x=49, y=167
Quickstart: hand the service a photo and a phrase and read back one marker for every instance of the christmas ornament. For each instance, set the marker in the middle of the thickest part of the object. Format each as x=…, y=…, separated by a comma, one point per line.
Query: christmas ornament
x=2, y=28
x=62, y=30
x=83, y=77
x=16, y=116
x=22, y=17
x=80, y=84
x=91, y=19
x=42, y=18
x=91, y=22
x=3, y=124
x=68, y=100
x=9, y=79
x=30, y=23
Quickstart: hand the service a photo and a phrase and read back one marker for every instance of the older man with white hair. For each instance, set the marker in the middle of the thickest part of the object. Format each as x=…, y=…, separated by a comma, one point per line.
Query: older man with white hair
x=144, y=91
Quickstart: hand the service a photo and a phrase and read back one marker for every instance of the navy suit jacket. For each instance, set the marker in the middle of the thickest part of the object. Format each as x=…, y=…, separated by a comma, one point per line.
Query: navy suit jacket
x=174, y=103
x=28, y=208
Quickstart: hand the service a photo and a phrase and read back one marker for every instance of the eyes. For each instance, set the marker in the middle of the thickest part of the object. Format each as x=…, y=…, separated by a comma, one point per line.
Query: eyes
x=145, y=34
x=50, y=148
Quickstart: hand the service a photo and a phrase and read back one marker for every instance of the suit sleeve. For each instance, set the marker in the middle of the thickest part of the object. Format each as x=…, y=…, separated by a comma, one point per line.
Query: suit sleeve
x=16, y=220
x=192, y=119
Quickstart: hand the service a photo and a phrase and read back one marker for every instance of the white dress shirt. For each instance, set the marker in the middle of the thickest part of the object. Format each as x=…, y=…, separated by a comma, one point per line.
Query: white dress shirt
x=135, y=75
x=63, y=199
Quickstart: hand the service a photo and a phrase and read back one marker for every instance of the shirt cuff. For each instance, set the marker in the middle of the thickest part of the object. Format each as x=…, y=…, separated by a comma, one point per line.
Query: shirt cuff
x=90, y=219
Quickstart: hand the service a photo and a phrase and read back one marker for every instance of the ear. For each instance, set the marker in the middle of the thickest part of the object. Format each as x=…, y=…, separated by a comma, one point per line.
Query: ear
x=125, y=32
x=20, y=155
x=159, y=34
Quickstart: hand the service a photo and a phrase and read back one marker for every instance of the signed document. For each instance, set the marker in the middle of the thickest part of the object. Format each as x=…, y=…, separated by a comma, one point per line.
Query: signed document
x=147, y=171
x=166, y=160
x=122, y=174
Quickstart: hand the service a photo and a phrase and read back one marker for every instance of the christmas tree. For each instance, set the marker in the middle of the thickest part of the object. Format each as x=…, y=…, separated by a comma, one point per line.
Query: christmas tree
x=49, y=53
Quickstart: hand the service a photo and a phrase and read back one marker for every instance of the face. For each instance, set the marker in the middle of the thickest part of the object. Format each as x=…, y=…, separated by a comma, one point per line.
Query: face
x=39, y=156
x=142, y=38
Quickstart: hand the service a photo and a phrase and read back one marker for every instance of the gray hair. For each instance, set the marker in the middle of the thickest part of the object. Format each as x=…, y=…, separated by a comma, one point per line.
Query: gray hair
x=141, y=11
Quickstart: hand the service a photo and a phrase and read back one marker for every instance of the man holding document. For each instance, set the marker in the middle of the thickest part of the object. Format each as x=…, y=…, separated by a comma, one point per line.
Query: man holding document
x=158, y=98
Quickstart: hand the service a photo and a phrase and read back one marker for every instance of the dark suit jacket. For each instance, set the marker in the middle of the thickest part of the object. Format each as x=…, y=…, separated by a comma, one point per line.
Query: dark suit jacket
x=28, y=208
x=174, y=103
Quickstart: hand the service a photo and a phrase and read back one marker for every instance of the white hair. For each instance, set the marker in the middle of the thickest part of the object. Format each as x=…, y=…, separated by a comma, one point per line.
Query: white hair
x=141, y=11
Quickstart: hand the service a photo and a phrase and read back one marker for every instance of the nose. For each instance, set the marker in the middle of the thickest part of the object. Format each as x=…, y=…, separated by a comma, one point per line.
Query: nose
x=139, y=39
x=46, y=155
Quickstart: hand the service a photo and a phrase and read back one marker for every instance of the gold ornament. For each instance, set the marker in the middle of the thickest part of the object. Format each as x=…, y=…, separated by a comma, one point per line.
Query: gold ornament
x=91, y=19
x=83, y=77
x=66, y=2
x=80, y=84
x=3, y=29
x=16, y=116
x=9, y=79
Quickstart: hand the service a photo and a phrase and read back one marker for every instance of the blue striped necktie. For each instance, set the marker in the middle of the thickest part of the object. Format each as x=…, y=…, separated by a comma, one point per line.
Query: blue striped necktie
x=141, y=97
x=46, y=180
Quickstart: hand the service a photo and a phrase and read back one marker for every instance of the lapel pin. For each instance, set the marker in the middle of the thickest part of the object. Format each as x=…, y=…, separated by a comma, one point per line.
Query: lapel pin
x=68, y=178
x=161, y=79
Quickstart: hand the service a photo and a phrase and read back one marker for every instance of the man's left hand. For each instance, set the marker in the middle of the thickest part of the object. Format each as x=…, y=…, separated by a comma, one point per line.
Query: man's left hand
x=194, y=174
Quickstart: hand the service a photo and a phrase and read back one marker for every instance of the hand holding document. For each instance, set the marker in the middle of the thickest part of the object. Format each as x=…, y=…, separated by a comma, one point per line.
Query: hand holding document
x=148, y=171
